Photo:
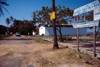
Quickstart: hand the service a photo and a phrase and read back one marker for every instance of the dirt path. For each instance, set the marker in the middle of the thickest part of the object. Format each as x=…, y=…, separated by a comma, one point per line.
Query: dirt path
x=22, y=52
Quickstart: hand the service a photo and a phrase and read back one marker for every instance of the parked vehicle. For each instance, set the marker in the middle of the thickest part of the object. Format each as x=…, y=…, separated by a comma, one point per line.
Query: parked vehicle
x=17, y=34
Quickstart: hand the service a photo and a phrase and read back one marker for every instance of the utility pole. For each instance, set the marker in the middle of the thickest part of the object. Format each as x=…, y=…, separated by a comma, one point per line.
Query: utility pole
x=55, y=46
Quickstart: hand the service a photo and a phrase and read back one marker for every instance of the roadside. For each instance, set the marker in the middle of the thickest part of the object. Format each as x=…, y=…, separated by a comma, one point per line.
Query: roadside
x=84, y=46
x=5, y=36
x=27, y=52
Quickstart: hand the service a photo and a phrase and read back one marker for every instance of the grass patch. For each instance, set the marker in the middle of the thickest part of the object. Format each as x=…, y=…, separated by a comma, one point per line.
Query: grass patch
x=86, y=39
x=65, y=55
x=2, y=36
x=97, y=39
x=72, y=56
x=42, y=41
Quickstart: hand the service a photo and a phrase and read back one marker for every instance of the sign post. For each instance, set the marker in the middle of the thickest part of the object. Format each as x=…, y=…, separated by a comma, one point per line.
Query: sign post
x=77, y=36
x=94, y=48
x=95, y=6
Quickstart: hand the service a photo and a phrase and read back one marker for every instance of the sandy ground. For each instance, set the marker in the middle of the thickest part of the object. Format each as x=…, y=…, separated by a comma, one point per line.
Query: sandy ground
x=21, y=52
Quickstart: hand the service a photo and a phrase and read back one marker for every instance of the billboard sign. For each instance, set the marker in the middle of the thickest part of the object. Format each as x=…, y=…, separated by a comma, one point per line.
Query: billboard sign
x=91, y=6
x=97, y=14
x=87, y=24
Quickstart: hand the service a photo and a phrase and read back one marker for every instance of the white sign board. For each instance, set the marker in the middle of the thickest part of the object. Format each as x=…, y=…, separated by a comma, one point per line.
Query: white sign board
x=97, y=14
x=89, y=7
x=87, y=24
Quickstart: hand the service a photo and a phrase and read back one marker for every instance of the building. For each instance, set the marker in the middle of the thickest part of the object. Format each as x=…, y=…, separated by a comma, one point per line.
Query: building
x=65, y=29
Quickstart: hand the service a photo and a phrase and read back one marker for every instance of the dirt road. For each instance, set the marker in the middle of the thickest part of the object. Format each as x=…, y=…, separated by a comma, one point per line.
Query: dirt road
x=25, y=52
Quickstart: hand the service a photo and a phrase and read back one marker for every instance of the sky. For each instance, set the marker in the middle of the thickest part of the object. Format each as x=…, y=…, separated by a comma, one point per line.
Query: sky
x=23, y=9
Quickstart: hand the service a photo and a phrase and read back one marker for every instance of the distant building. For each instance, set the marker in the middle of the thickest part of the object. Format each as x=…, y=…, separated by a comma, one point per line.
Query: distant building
x=65, y=29
x=36, y=30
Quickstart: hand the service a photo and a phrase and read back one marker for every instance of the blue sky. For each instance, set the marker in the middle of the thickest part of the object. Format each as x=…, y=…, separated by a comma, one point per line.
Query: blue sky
x=23, y=9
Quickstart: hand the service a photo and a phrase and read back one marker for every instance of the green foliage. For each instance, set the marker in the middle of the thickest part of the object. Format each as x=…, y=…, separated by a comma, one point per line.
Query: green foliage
x=65, y=38
x=42, y=41
x=69, y=38
x=70, y=53
x=7, y=21
x=24, y=27
x=62, y=15
x=2, y=2
x=2, y=36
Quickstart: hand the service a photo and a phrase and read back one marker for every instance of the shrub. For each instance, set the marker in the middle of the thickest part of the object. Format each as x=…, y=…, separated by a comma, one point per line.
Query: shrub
x=42, y=35
x=69, y=38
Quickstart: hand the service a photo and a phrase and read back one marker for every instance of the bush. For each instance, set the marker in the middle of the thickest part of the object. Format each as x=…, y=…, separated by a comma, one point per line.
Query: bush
x=64, y=38
x=42, y=35
x=69, y=38
x=42, y=41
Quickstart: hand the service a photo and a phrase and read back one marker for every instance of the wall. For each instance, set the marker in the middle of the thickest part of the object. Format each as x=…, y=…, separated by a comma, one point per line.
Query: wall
x=42, y=30
x=64, y=30
x=72, y=31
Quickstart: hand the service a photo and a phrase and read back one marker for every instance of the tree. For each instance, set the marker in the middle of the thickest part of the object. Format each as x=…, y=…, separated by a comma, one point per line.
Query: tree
x=22, y=26
x=2, y=2
x=7, y=21
x=63, y=15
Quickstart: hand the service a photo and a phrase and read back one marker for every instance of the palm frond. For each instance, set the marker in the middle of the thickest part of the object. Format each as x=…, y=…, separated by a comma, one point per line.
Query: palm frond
x=1, y=12
x=4, y=8
x=4, y=3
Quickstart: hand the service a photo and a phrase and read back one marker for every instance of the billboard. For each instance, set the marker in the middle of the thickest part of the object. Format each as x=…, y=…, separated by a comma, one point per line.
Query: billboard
x=97, y=14
x=87, y=24
x=88, y=7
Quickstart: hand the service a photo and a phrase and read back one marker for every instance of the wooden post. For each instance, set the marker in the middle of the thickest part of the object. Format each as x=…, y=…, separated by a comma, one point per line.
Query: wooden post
x=77, y=36
x=94, y=47
x=74, y=19
x=84, y=18
x=55, y=46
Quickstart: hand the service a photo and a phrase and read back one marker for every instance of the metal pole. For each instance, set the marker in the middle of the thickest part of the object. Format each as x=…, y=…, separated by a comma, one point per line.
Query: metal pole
x=74, y=19
x=94, y=48
x=84, y=18
x=49, y=32
x=55, y=46
x=77, y=36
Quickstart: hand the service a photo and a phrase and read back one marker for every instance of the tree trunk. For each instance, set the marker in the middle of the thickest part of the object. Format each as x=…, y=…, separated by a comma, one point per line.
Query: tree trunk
x=60, y=34
x=55, y=46
x=97, y=32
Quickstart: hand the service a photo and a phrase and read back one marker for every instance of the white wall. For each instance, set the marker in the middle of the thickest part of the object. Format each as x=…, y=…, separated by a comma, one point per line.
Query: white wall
x=64, y=30
x=42, y=30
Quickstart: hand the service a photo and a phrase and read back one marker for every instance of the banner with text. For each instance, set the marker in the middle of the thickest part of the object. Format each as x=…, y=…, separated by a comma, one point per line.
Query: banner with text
x=89, y=7
x=87, y=24
x=97, y=14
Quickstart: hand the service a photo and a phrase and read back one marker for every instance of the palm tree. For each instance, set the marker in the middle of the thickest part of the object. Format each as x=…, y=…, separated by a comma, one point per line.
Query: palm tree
x=2, y=2
x=7, y=21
